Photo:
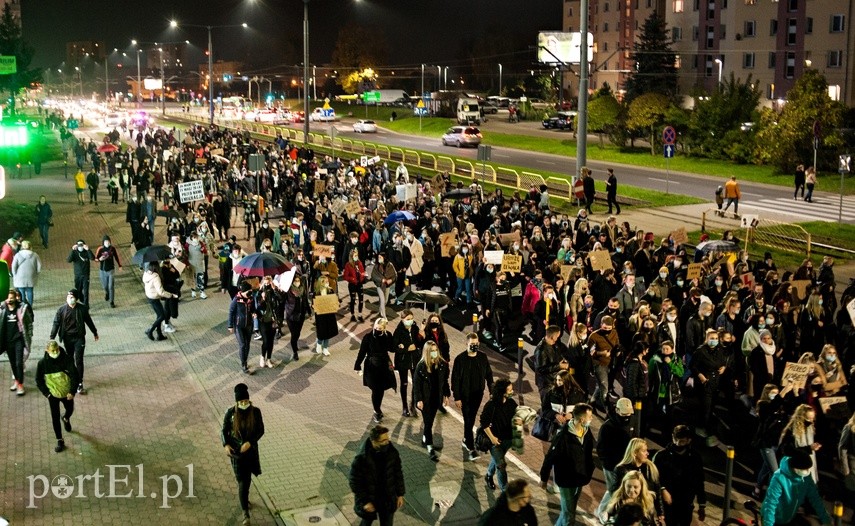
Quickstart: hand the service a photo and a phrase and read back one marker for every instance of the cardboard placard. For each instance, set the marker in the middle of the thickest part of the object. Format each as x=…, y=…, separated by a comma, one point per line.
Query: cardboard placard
x=600, y=260
x=338, y=206
x=323, y=171
x=747, y=280
x=680, y=236
x=191, y=191
x=828, y=401
x=507, y=240
x=179, y=266
x=493, y=257
x=437, y=184
x=326, y=304
x=202, y=160
x=446, y=243
x=406, y=192
x=320, y=186
x=352, y=208
x=850, y=308
x=511, y=263
x=566, y=270
x=800, y=287
x=694, y=271
x=324, y=251
x=217, y=151
x=796, y=373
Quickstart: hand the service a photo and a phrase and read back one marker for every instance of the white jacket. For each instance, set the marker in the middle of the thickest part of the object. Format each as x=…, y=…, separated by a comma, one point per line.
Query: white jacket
x=153, y=286
x=417, y=253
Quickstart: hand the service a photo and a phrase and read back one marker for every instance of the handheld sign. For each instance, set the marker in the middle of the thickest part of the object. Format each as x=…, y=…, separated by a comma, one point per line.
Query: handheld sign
x=511, y=263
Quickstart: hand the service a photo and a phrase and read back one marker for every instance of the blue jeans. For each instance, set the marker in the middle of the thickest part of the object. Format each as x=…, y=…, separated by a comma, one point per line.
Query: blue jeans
x=497, y=461
x=569, y=499
x=44, y=230
x=610, y=482
x=769, y=465
x=27, y=295
x=244, y=336
x=461, y=284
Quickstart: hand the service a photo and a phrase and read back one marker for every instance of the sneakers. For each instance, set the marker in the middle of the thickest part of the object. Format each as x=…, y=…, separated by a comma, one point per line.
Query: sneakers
x=432, y=454
x=14, y=385
x=261, y=362
x=326, y=351
x=20, y=390
x=247, y=371
x=203, y=295
x=256, y=336
x=270, y=364
x=67, y=423
x=490, y=482
x=60, y=445
x=464, y=446
x=81, y=390
x=318, y=348
x=296, y=357
x=405, y=414
x=192, y=293
x=377, y=418
x=168, y=328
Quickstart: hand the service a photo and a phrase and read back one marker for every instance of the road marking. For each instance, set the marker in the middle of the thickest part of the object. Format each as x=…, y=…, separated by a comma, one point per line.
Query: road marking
x=663, y=180
x=546, y=162
x=500, y=156
x=755, y=195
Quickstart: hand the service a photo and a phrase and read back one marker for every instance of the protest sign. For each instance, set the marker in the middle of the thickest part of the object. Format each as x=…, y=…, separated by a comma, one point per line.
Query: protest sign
x=680, y=236
x=600, y=260
x=447, y=241
x=320, y=186
x=326, y=304
x=828, y=401
x=323, y=251
x=796, y=373
x=352, y=208
x=511, y=263
x=494, y=257
x=191, y=191
x=507, y=240
x=566, y=270
x=800, y=288
x=694, y=271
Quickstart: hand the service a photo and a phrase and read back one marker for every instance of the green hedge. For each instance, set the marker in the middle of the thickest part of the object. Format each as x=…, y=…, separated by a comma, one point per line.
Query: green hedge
x=16, y=217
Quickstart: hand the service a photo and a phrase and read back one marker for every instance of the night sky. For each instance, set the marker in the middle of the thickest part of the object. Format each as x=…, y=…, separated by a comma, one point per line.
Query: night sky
x=417, y=31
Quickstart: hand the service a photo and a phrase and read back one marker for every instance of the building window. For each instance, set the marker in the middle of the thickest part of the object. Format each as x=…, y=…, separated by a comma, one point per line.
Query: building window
x=694, y=33
x=770, y=91
x=838, y=23
x=835, y=59
x=697, y=5
x=605, y=47
x=570, y=12
x=605, y=27
x=678, y=6
x=834, y=92
x=790, y=70
x=773, y=59
x=649, y=4
x=724, y=4
x=676, y=34
x=773, y=27
x=606, y=65
x=792, y=5
x=808, y=26
x=723, y=29
x=792, y=29
x=750, y=2
x=708, y=66
x=748, y=61
x=750, y=28
x=710, y=37
x=606, y=7
x=678, y=62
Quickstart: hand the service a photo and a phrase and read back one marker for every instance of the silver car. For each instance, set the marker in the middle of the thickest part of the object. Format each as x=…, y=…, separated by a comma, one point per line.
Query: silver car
x=461, y=136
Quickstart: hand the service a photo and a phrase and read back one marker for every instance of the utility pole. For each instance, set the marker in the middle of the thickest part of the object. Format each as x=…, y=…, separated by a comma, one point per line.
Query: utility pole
x=582, y=110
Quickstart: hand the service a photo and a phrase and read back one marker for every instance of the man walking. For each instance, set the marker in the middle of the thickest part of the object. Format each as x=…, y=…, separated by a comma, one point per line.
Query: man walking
x=92, y=182
x=376, y=479
x=70, y=325
x=588, y=188
x=733, y=195
x=614, y=436
x=108, y=257
x=79, y=257
x=240, y=322
x=513, y=507
x=470, y=372
x=44, y=215
x=611, y=191
x=572, y=456
x=681, y=477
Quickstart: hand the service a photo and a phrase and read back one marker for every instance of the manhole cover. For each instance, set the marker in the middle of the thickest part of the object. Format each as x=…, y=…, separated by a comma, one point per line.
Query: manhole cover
x=321, y=514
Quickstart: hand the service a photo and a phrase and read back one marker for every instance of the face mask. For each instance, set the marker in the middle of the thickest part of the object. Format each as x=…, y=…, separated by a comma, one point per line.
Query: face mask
x=619, y=250
x=516, y=246
x=243, y=404
x=71, y=301
x=588, y=304
x=434, y=354
x=53, y=354
x=106, y=244
x=624, y=418
x=466, y=251
x=663, y=275
x=802, y=472
x=677, y=263
x=761, y=324
x=263, y=225
x=713, y=343
x=322, y=261
x=489, y=270
x=680, y=282
x=772, y=396
x=297, y=284
x=831, y=358
x=382, y=448
x=630, y=284
x=671, y=317
x=719, y=283
x=820, y=302
x=300, y=257
x=196, y=220
x=770, y=321
x=408, y=323
x=80, y=249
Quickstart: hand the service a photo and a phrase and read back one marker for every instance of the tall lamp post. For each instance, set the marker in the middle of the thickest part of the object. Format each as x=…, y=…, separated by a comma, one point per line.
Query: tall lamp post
x=306, y=71
x=582, y=110
x=500, y=80
x=718, y=61
x=174, y=23
x=139, y=78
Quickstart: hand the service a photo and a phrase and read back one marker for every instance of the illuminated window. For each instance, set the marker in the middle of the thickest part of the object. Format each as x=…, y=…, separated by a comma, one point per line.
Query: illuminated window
x=678, y=6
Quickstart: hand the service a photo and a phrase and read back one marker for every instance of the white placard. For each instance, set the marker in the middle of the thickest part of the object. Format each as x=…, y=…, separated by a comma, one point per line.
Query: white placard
x=749, y=221
x=850, y=308
x=405, y=192
x=284, y=280
x=494, y=257
x=191, y=191
x=373, y=160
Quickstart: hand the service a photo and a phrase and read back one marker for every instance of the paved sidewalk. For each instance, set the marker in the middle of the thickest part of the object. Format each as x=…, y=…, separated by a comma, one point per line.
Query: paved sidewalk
x=160, y=405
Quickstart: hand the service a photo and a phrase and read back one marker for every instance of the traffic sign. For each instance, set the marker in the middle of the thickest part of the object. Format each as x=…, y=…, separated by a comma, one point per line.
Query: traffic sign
x=669, y=151
x=327, y=104
x=579, y=189
x=669, y=135
x=371, y=96
x=420, y=108
x=72, y=124
x=845, y=164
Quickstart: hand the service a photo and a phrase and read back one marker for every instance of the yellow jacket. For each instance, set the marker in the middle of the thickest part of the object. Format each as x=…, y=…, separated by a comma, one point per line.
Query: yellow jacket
x=80, y=180
x=459, y=265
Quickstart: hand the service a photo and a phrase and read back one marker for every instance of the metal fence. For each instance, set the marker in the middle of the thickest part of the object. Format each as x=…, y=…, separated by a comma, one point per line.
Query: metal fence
x=755, y=230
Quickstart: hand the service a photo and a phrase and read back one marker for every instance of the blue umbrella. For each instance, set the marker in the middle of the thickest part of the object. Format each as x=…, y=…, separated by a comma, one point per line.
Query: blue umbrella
x=398, y=215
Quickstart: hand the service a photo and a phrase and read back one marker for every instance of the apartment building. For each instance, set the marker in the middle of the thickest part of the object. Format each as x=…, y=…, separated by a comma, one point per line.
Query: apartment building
x=774, y=41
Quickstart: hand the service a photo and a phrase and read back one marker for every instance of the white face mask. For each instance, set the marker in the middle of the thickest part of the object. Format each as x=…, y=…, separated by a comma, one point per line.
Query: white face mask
x=802, y=472
x=243, y=404
x=434, y=354
x=106, y=244
x=53, y=354
x=71, y=301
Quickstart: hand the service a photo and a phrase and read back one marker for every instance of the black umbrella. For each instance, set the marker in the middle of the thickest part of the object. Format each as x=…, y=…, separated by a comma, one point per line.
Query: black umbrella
x=458, y=193
x=426, y=297
x=719, y=246
x=151, y=254
x=169, y=214
x=262, y=264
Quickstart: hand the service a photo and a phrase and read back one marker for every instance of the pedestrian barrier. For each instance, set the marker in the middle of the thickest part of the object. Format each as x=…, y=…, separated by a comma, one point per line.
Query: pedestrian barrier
x=838, y=513
x=756, y=230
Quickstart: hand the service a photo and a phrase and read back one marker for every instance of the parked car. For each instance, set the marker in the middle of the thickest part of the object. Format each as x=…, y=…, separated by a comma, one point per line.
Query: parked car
x=539, y=104
x=298, y=116
x=113, y=120
x=489, y=108
x=462, y=136
x=321, y=115
x=563, y=120
x=363, y=126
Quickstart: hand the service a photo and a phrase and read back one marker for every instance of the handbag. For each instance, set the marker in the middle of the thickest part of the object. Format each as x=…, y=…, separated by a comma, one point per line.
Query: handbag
x=482, y=441
x=542, y=429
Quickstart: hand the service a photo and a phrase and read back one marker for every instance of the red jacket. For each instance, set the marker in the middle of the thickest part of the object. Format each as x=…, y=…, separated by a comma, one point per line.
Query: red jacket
x=354, y=273
x=7, y=254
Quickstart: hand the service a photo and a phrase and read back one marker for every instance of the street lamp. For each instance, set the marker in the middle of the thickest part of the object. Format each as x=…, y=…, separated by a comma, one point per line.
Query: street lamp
x=500, y=80
x=306, y=113
x=139, y=79
x=718, y=61
x=174, y=24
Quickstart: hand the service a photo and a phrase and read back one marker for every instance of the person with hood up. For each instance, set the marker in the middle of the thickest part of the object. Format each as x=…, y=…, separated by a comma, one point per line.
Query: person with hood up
x=243, y=427
x=56, y=377
x=791, y=486
x=26, y=267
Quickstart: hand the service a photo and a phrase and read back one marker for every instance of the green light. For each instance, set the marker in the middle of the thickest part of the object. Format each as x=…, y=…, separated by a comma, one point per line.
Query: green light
x=13, y=136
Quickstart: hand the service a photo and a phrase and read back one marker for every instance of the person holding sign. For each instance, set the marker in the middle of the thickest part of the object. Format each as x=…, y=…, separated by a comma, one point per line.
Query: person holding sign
x=326, y=324
x=834, y=377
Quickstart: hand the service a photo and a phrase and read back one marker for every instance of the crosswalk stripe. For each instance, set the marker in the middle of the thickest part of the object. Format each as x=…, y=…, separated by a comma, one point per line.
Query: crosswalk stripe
x=802, y=210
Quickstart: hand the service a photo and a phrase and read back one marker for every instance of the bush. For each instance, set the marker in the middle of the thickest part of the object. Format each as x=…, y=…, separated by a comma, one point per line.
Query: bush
x=16, y=217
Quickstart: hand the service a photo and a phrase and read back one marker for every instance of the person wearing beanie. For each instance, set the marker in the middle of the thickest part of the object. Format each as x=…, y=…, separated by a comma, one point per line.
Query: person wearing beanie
x=108, y=258
x=791, y=486
x=658, y=289
x=70, y=324
x=243, y=427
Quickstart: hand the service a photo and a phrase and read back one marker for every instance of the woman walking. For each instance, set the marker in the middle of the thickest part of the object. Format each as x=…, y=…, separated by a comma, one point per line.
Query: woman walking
x=354, y=275
x=16, y=336
x=799, y=435
x=633, y=490
x=296, y=309
x=266, y=308
x=154, y=292
x=810, y=183
x=430, y=390
x=407, y=339
x=497, y=421
x=326, y=325
x=26, y=266
x=56, y=377
x=243, y=427
x=379, y=374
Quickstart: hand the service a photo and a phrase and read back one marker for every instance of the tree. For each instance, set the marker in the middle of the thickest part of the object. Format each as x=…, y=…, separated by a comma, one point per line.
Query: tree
x=603, y=112
x=788, y=140
x=646, y=113
x=11, y=44
x=356, y=49
x=655, y=70
x=718, y=115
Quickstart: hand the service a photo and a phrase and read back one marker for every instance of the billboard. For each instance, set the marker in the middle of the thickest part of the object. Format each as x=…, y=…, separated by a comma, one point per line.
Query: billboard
x=555, y=47
x=152, y=84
